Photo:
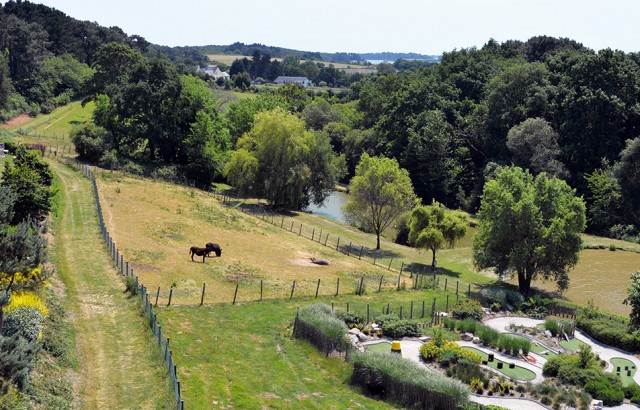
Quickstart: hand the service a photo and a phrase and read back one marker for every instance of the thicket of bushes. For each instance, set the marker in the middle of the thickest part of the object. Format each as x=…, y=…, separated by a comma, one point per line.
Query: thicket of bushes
x=608, y=330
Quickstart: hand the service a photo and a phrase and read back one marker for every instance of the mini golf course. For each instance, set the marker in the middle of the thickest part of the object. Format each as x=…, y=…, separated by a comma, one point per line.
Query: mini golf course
x=516, y=372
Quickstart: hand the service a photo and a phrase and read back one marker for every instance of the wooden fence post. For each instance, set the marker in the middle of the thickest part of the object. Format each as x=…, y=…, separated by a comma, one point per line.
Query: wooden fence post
x=367, y=313
x=338, y=244
x=170, y=294
x=260, y=289
x=317, y=288
x=291, y=229
x=401, y=267
x=300, y=230
x=361, y=249
x=204, y=286
x=399, y=276
x=400, y=311
x=349, y=249
x=457, y=283
x=387, y=308
x=235, y=294
x=326, y=239
x=390, y=262
x=380, y=284
x=347, y=307
x=293, y=287
x=447, y=308
x=157, y=295
x=423, y=309
x=445, y=283
x=411, y=311
x=338, y=287
x=282, y=224
x=313, y=234
x=469, y=291
x=320, y=236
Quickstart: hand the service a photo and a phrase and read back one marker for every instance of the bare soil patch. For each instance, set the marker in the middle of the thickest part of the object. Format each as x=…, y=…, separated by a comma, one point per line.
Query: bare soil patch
x=17, y=121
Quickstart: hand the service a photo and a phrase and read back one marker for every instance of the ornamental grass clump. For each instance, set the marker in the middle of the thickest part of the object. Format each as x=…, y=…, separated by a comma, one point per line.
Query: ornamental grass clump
x=487, y=335
x=513, y=344
x=319, y=315
x=406, y=382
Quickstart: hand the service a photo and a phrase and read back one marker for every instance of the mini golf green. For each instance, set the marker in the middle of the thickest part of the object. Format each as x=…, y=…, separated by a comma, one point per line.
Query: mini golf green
x=380, y=347
x=625, y=369
x=537, y=349
x=573, y=344
x=517, y=373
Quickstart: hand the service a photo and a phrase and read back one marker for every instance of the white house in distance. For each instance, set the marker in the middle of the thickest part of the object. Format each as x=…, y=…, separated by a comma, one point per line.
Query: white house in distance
x=213, y=70
x=303, y=81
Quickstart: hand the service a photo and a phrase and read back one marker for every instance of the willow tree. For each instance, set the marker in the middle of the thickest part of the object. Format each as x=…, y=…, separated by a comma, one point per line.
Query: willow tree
x=529, y=227
x=436, y=227
x=379, y=192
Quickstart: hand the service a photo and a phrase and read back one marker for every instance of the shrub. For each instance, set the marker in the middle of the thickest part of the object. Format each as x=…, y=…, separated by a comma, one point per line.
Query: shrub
x=513, y=345
x=130, y=285
x=25, y=299
x=385, y=374
x=468, y=325
x=476, y=385
x=351, y=319
x=607, y=388
x=552, y=326
x=611, y=331
x=27, y=322
x=429, y=351
x=168, y=173
x=320, y=316
x=632, y=390
x=468, y=308
x=17, y=359
x=487, y=335
x=449, y=323
x=400, y=328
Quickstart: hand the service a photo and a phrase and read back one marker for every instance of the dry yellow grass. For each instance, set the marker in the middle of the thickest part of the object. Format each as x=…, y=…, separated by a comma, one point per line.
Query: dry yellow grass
x=154, y=224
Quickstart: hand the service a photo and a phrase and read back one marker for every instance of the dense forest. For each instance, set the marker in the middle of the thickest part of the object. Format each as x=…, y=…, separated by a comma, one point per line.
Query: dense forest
x=547, y=104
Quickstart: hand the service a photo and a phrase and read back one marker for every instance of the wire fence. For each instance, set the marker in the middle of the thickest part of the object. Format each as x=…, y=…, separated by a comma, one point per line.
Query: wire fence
x=123, y=269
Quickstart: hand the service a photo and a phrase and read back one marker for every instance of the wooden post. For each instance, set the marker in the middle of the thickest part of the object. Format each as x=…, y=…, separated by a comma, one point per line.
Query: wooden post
x=313, y=234
x=170, y=294
x=157, y=296
x=367, y=313
x=332, y=306
x=282, y=224
x=338, y=244
x=320, y=236
x=300, y=230
x=400, y=311
x=349, y=249
x=291, y=229
x=399, y=276
x=423, y=309
x=360, y=288
x=361, y=249
x=380, y=284
x=447, y=308
x=326, y=239
x=260, y=289
x=127, y=268
x=457, y=283
x=469, y=291
x=445, y=283
x=204, y=286
x=374, y=260
x=401, y=267
x=317, y=288
x=235, y=294
x=411, y=311
x=338, y=287
x=387, y=308
x=347, y=307
x=293, y=287
x=390, y=262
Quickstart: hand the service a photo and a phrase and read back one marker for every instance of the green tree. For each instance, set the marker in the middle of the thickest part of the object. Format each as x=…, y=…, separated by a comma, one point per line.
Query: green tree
x=288, y=165
x=379, y=192
x=633, y=299
x=604, y=201
x=206, y=149
x=434, y=227
x=529, y=227
x=627, y=172
x=91, y=141
x=240, y=114
x=534, y=144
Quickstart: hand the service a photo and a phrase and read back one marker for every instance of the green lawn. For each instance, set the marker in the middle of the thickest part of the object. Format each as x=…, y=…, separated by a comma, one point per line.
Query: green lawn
x=572, y=344
x=625, y=366
x=382, y=347
x=54, y=128
x=517, y=373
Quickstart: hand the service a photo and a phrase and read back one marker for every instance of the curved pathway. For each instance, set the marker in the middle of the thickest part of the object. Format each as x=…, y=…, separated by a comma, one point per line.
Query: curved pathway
x=119, y=366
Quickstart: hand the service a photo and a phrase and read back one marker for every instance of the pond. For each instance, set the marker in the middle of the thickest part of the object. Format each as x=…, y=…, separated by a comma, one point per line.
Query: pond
x=332, y=206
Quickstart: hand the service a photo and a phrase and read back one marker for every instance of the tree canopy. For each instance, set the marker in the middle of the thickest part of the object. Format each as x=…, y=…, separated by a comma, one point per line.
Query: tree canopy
x=278, y=159
x=435, y=227
x=379, y=192
x=529, y=227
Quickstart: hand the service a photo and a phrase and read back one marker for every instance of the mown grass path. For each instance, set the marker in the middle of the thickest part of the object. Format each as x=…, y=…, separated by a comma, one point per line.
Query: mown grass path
x=118, y=364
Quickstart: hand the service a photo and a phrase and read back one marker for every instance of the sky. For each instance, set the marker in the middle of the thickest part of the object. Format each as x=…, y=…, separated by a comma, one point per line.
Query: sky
x=362, y=26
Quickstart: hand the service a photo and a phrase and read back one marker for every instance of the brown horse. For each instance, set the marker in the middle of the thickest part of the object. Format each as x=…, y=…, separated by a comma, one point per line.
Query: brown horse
x=204, y=252
x=214, y=247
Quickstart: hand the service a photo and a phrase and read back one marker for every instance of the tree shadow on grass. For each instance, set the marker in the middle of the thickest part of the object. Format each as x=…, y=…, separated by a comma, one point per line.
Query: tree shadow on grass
x=363, y=252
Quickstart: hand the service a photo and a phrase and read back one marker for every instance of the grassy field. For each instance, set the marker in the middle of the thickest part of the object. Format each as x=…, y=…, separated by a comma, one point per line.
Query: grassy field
x=243, y=356
x=118, y=363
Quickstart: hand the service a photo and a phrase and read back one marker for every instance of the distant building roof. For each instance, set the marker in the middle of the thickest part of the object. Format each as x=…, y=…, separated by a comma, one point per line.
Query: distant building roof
x=213, y=70
x=283, y=79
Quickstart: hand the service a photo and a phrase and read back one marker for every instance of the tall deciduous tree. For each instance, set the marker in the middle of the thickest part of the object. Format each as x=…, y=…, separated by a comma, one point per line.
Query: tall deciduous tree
x=434, y=227
x=380, y=192
x=627, y=172
x=284, y=162
x=529, y=227
x=534, y=144
x=633, y=299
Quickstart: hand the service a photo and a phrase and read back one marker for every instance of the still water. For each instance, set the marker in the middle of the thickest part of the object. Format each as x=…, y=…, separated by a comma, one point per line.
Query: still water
x=332, y=206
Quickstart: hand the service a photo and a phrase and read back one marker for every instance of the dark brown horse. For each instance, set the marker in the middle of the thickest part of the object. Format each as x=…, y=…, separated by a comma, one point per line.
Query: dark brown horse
x=214, y=247
x=204, y=252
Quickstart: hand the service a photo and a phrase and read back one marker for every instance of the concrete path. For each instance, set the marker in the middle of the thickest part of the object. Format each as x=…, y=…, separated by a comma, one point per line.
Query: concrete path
x=511, y=403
